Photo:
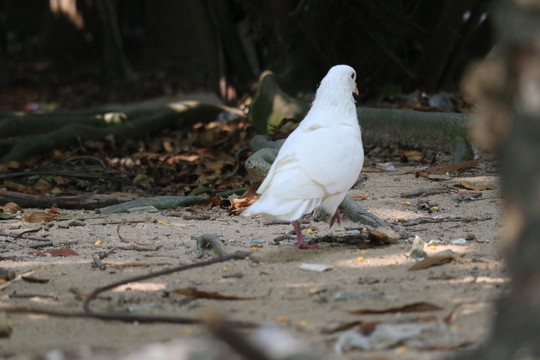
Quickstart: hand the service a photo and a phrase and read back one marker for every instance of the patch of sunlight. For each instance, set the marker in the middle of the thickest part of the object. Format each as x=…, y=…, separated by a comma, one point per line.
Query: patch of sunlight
x=302, y=285
x=43, y=301
x=141, y=287
x=184, y=105
x=393, y=259
x=480, y=279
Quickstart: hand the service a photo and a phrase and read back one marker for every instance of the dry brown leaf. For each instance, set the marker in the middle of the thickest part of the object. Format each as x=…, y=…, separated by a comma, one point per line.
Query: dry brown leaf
x=193, y=293
x=11, y=208
x=464, y=165
x=470, y=186
x=9, y=165
x=431, y=261
x=13, y=186
x=425, y=174
x=42, y=186
x=54, y=211
x=341, y=327
x=55, y=252
x=38, y=217
x=411, y=155
x=414, y=307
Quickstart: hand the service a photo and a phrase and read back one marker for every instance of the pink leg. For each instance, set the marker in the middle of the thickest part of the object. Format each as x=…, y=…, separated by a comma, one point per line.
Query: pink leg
x=301, y=244
x=336, y=217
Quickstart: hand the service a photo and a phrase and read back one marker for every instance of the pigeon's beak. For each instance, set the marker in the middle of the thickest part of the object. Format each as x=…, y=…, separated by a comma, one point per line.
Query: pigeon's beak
x=355, y=90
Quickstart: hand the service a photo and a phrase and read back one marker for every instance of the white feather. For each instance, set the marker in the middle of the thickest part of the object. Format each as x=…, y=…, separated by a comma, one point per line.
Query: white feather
x=320, y=161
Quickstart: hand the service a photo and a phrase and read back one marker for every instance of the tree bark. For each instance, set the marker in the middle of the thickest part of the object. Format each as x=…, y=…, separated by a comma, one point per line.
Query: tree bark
x=517, y=325
x=116, y=68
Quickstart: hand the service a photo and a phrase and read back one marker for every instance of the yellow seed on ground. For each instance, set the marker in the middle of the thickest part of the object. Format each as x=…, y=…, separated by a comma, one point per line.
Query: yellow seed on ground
x=404, y=203
x=432, y=247
x=302, y=324
x=224, y=268
x=453, y=326
x=282, y=319
x=98, y=242
x=359, y=259
x=309, y=231
x=363, y=252
x=435, y=208
x=163, y=221
x=401, y=350
x=399, y=218
x=254, y=248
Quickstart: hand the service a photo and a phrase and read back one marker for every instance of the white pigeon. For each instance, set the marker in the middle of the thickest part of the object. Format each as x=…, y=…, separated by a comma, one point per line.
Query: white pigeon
x=320, y=160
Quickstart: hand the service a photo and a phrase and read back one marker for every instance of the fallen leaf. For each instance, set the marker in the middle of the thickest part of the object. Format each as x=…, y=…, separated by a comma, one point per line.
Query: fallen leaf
x=425, y=174
x=459, y=167
x=411, y=155
x=9, y=165
x=414, y=307
x=341, y=327
x=213, y=201
x=55, y=252
x=193, y=293
x=470, y=186
x=54, y=211
x=11, y=207
x=42, y=186
x=431, y=261
x=38, y=217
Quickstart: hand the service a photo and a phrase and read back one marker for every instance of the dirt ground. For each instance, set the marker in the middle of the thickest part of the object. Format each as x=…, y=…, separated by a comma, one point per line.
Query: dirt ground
x=305, y=307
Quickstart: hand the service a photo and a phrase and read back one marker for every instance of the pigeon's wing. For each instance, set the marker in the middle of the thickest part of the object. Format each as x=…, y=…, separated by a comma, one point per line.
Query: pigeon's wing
x=332, y=157
x=316, y=163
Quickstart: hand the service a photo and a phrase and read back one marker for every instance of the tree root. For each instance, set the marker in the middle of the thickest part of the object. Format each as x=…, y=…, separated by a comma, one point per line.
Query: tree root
x=22, y=137
x=164, y=202
x=436, y=131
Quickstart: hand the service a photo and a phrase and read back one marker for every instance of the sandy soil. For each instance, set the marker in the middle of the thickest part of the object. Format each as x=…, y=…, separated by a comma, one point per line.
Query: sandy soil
x=301, y=303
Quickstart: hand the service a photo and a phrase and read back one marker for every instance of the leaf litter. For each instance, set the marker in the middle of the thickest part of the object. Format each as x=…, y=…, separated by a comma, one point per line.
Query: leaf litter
x=277, y=275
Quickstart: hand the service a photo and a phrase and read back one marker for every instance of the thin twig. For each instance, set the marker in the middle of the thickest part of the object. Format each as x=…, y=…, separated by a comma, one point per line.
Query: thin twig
x=135, y=317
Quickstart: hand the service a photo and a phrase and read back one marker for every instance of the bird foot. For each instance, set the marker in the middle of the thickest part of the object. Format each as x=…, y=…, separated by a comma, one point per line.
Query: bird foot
x=301, y=244
x=335, y=218
x=305, y=245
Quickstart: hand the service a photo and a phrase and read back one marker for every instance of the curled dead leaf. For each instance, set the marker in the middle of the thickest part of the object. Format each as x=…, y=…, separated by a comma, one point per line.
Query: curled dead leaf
x=56, y=252
x=414, y=307
x=470, y=186
x=12, y=208
x=411, y=155
x=38, y=217
x=42, y=186
x=193, y=293
x=459, y=167
x=9, y=165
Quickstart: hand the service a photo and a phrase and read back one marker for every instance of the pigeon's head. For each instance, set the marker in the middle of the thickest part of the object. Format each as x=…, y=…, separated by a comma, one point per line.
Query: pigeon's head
x=340, y=81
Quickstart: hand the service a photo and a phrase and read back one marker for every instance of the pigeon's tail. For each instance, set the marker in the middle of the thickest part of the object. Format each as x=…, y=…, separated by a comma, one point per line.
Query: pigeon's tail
x=282, y=209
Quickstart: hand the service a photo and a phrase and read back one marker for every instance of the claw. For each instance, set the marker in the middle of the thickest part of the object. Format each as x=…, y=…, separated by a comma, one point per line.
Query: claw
x=301, y=244
x=336, y=217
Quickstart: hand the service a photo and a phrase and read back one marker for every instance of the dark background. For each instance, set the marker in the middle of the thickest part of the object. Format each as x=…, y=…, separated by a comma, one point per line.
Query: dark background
x=82, y=52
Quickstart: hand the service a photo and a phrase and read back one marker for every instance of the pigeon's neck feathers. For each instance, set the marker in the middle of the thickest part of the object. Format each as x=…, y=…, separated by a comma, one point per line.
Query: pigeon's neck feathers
x=334, y=102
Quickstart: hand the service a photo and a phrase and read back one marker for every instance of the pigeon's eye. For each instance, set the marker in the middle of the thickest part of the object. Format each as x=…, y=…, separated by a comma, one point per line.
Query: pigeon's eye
x=352, y=76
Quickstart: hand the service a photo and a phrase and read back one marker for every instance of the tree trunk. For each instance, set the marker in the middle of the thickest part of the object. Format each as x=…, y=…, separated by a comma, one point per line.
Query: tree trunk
x=517, y=325
x=116, y=69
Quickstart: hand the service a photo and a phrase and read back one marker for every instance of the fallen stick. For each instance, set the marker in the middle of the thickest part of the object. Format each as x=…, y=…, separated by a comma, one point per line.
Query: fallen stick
x=424, y=192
